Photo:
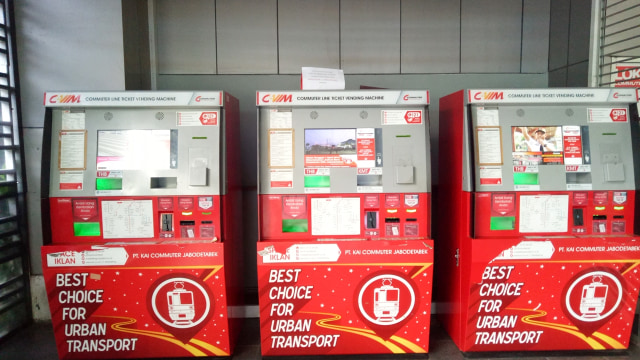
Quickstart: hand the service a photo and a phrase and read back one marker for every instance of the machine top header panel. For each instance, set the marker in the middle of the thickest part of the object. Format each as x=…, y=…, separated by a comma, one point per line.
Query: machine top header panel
x=546, y=96
x=342, y=98
x=134, y=98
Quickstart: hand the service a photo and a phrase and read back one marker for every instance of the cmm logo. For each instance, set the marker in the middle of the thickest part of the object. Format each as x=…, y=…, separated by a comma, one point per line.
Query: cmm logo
x=64, y=99
x=489, y=95
x=277, y=98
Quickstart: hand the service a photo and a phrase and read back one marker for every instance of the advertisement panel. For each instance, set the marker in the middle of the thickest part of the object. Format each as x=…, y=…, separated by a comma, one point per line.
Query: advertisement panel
x=552, y=294
x=349, y=297
x=134, y=301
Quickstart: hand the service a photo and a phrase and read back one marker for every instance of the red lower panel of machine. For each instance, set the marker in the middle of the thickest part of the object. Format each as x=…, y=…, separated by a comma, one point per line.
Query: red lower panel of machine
x=388, y=216
x=345, y=297
x=132, y=301
x=113, y=218
x=552, y=294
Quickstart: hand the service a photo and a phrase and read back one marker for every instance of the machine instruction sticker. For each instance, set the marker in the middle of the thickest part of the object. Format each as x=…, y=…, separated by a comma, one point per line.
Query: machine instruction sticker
x=544, y=213
x=127, y=219
x=489, y=149
x=488, y=117
x=73, y=120
x=72, y=150
x=335, y=216
x=490, y=175
x=279, y=119
x=71, y=180
x=281, y=178
x=598, y=115
x=281, y=148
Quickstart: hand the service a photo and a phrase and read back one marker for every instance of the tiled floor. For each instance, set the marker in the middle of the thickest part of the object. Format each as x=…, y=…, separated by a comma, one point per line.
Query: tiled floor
x=37, y=343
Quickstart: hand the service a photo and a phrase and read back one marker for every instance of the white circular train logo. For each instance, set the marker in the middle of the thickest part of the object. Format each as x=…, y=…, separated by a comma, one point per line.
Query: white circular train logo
x=386, y=299
x=593, y=296
x=180, y=303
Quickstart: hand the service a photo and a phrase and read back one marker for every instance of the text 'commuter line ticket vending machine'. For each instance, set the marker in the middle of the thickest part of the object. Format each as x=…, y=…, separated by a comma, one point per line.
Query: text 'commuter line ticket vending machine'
x=344, y=254
x=536, y=219
x=140, y=214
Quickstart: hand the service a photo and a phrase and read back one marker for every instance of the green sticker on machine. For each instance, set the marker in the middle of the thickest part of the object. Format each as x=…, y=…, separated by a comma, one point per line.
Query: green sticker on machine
x=523, y=178
x=295, y=225
x=503, y=222
x=86, y=229
x=317, y=181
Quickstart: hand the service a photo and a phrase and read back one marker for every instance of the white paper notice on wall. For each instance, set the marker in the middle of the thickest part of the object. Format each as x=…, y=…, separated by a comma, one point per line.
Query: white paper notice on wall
x=321, y=79
x=544, y=213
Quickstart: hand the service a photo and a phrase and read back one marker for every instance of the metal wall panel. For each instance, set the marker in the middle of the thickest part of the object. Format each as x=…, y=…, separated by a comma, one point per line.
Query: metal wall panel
x=32, y=141
x=308, y=34
x=579, y=31
x=430, y=36
x=491, y=36
x=558, y=78
x=535, y=36
x=559, y=33
x=370, y=36
x=578, y=74
x=67, y=45
x=185, y=36
x=247, y=32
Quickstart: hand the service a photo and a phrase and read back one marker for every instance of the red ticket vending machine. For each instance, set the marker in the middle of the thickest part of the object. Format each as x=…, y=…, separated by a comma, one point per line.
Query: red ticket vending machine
x=344, y=254
x=535, y=220
x=141, y=223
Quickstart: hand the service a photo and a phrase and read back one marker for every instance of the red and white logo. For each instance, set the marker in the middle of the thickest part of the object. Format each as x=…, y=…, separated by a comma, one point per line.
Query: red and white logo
x=591, y=298
x=488, y=95
x=619, y=115
x=413, y=117
x=209, y=118
x=64, y=99
x=386, y=299
x=277, y=98
x=181, y=304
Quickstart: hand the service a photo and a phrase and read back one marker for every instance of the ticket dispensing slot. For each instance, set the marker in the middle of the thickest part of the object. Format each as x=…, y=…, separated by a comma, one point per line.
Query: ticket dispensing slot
x=187, y=229
x=207, y=229
x=599, y=224
x=163, y=182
